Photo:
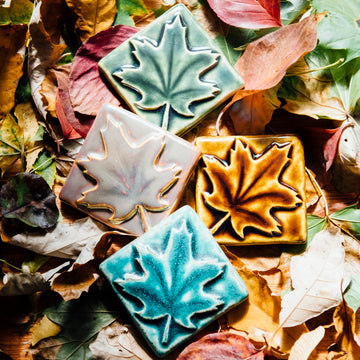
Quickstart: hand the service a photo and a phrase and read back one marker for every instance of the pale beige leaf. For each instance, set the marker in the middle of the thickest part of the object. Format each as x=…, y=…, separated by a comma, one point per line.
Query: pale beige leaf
x=318, y=278
x=306, y=344
x=44, y=329
x=93, y=15
x=118, y=341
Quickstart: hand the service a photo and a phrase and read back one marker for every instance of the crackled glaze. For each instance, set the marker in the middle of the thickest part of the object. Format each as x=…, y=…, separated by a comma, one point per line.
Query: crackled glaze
x=171, y=73
x=128, y=173
x=251, y=190
x=174, y=280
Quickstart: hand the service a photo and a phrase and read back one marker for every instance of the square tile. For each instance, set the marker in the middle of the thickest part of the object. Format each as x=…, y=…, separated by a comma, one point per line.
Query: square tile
x=171, y=73
x=174, y=280
x=251, y=189
x=129, y=173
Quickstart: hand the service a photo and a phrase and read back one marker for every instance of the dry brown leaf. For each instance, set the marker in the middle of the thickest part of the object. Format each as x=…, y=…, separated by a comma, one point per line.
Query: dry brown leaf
x=347, y=342
x=306, y=344
x=48, y=92
x=93, y=15
x=259, y=314
x=43, y=54
x=12, y=41
x=318, y=279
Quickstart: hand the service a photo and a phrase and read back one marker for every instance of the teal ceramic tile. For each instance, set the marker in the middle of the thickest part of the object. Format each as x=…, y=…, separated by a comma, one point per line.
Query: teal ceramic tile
x=171, y=73
x=174, y=280
x=128, y=173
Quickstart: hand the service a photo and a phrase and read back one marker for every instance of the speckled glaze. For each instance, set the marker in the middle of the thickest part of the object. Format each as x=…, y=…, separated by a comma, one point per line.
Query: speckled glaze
x=171, y=73
x=174, y=280
x=251, y=189
x=128, y=173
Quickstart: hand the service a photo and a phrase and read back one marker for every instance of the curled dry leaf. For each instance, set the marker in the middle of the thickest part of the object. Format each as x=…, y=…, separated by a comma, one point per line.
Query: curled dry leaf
x=28, y=197
x=251, y=14
x=118, y=341
x=43, y=329
x=318, y=277
x=87, y=99
x=93, y=16
x=12, y=41
x=224, y=345
x=43, y=54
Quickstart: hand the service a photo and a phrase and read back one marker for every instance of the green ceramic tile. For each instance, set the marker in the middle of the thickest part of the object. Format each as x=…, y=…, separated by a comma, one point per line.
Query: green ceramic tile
x=171, y=73
x=174, y=280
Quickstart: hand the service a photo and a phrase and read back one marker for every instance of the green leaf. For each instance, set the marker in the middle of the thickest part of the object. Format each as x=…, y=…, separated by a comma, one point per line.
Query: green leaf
x=162, y=278
x=19, y=12
x=127, y=9
x=314, y=225
x=81, y=319
x=165, y=85
x=340, y=29
x=27, y=197
x=352, y=293
x=350, y=215
x=45, y=166
x=291, y=9
x=35, y=263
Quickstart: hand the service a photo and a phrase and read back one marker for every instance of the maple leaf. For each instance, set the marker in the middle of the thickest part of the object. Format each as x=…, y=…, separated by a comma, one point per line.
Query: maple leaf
x=249, y=188
x=163, y=83
x=129, y=177
x=163, y=283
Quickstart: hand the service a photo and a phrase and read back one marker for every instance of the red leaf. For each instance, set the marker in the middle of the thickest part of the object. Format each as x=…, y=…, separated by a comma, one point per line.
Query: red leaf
x=85, y=98
x=221, y=346
x=80, y=123
x=250, y=14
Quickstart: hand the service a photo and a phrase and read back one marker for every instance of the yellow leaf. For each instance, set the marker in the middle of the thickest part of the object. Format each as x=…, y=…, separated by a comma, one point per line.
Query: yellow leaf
x=44, y=329
x=12, y=39
x=93, y=15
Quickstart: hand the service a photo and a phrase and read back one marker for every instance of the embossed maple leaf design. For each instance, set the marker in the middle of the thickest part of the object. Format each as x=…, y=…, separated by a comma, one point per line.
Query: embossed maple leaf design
x=249, y=188
x=171, y=284
x=165, y=67
x=129, y=179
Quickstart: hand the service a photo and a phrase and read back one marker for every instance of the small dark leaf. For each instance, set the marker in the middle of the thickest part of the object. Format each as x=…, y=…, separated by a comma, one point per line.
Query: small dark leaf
x=28, y=197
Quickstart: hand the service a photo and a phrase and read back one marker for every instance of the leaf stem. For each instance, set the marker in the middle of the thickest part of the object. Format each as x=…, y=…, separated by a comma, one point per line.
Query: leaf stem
x=216, y=227
x=340, y=61
x=8, y=264
x=165, y=119
x=144, y=218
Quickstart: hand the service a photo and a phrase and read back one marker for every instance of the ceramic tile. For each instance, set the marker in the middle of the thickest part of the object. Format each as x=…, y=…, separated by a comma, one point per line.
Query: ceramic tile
x=174, y=280
x=251, y=189
x=171, y=73
x=128, y=173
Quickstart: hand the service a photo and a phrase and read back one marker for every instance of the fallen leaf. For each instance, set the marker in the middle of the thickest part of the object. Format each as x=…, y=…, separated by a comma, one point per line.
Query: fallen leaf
x=84, y=70
x=346, y=339
x=28, y=197
x=127, y=9
x=19, y=12
x=43, y=329
x=81, y=320
x=251, y=14
x=220, y=346
x=45, y=167
x=258, y=316
x=12, y=53
x=65, y=240
x=291, y=9
x=318, y=278
x=73, y=125
x=43, y=54
x=118, y=341
x=352, y=294
x=93, y=16
x=306, y=344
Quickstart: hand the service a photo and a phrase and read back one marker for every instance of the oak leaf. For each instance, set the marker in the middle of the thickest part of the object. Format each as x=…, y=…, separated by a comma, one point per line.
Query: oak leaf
x=250, y=14
x=133, y=186
x=164, y=84
x=169, y=275
x=248, y=187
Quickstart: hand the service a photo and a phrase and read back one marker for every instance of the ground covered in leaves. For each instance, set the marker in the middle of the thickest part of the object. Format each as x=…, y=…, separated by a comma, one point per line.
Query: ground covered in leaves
x=300, y=62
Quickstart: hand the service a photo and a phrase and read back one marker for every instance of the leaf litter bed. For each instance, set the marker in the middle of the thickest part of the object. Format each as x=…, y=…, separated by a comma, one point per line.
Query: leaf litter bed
x=54, y=304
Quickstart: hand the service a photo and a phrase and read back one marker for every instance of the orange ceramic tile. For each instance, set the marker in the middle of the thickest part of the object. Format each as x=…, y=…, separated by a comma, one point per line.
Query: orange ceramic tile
x=251, y=189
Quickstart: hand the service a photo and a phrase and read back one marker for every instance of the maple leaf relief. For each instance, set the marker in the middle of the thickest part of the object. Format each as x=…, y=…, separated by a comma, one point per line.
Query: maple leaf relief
x=164, y=69
x=172, y=285
x=129, y=178
x=249, y=189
